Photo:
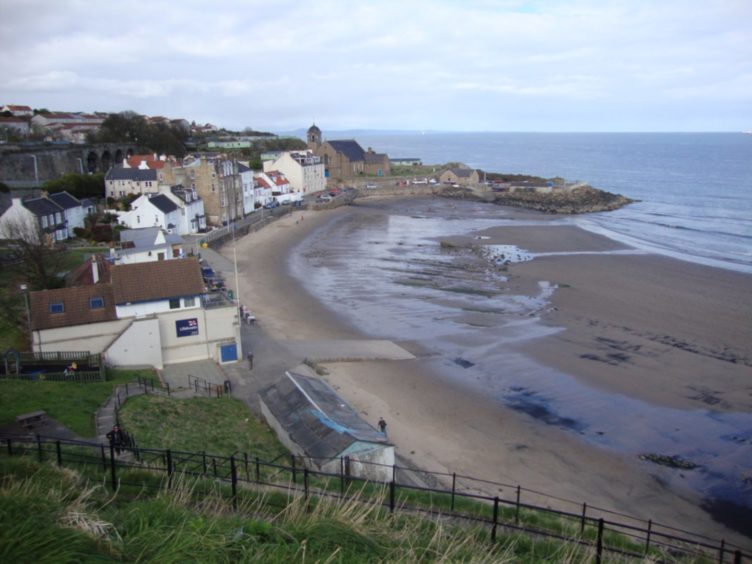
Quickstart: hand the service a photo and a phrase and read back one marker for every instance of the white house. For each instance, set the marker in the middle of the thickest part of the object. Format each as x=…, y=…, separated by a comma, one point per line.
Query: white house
x=262, y=189
x=192, y=217
x=18, y=111
x=73, y=210
x=151, y=313
x=152, y=210
x=279, y=185
x=303, y=169
x=36, y=220
x=248, y=186
x=147, y=244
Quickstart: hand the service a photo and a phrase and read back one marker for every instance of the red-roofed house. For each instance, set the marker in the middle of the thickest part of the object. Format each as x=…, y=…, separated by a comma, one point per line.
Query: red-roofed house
x=150, y=313
x=18, y=111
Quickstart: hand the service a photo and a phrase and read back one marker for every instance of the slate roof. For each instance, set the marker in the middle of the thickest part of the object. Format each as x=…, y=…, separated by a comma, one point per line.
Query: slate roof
x=163, y=203
x=64, y=200
x=243, y=168
x=143, y=237
x=376, y=158
x=462, y=172
x=158, y=280
x=42, y=206
x=77, y=308
x=135, y=174
x=316, y=418
x=350, y=148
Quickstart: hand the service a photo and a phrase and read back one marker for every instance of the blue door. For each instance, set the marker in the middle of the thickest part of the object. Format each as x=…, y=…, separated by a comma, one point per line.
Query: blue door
x=228, y=353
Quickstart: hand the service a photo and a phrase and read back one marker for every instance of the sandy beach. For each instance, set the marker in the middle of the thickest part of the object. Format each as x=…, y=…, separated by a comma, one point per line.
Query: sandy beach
x=662, y=331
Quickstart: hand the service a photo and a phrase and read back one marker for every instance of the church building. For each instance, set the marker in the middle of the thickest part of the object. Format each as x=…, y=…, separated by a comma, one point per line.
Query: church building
x=345, y=158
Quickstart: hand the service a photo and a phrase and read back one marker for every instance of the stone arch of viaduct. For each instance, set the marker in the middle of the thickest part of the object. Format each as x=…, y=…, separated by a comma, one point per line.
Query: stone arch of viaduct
x=32, y=166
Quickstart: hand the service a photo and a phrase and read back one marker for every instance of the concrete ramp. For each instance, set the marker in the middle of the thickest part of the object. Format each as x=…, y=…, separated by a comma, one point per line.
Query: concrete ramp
x=184, y=374
x=344, y=350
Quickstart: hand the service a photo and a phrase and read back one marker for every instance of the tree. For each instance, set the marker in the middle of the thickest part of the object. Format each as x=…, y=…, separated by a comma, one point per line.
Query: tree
x=78, y=185
x=42, y=261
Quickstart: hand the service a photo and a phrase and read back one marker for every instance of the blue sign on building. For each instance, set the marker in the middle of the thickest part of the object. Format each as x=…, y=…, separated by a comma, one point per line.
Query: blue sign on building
x=186, y=327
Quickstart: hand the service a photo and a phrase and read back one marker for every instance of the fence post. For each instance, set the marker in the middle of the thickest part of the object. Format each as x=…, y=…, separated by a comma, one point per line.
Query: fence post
x=294, y=475
x=517, y=509
x=245, y=461
x=723, y=548
x=59, y=453
x=495, y=518
x=104, y=458
x=10, y=448
x=599, y=542
x=39, y=447
x=203, y=458
x=391, y=496
x=737, y=556
x=214, y=466
x=258, y=471
x=582, y=522
x=234, y=481
x=168, y=457
x=341, y=473
x=113, y=469
x=454, y=485
x=647, y=536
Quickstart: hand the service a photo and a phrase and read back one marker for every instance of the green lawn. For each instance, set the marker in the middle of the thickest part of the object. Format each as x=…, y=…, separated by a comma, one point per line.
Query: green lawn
x=70, y=403
x=215, y=425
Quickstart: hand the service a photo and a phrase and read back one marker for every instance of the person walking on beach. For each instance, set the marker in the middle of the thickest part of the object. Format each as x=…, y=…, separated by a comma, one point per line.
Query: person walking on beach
x=116, y=438
x=382, y=425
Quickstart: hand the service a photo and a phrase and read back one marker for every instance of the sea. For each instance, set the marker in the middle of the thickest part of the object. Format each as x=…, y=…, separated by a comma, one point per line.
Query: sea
x=387, y=273
x=694, y=189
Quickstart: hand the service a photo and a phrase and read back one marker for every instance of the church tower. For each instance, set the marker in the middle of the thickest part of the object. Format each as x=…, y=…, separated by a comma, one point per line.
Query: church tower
x=314, y=137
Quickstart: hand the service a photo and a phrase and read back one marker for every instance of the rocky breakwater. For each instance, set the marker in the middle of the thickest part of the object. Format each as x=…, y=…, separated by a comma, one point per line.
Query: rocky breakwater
x=580, y=199
x=571, y=200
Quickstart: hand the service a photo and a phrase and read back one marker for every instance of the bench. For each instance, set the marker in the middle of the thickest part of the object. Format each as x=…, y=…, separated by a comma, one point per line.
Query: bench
x=28, y=420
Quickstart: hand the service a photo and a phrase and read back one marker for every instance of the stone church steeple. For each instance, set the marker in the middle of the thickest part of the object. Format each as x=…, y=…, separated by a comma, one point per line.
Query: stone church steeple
x=314, y=137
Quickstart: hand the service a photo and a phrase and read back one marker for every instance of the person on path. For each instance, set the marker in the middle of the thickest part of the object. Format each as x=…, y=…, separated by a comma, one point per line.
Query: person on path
x=382, y=425
x=115, y=437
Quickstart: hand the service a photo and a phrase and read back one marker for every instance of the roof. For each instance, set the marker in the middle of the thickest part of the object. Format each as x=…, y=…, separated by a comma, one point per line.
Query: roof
x=316, y=418
x=135, y=160
x=462, y=172
x=163, y=203
x=65, y=200
x=83, y=275
x=156, y=280
x=137, y=174
x=314, y=129
x=14, y=108
x=141, y=237
x=376, y=158
x=350, y=148
x=42, y=206
x=76, y=305
x=243, y=168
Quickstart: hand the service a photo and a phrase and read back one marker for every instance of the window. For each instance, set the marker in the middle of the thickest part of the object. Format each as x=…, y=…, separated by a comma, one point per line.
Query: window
x=189, y=302
x=57, y=307
x=96, y=302
x=174, y=303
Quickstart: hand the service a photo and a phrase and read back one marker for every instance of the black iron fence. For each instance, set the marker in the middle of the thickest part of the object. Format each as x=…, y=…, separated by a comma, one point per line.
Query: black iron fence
x=605, y=532
x=55, y=366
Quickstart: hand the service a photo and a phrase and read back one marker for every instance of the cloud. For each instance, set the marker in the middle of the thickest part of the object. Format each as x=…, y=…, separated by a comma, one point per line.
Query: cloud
x=387, y=63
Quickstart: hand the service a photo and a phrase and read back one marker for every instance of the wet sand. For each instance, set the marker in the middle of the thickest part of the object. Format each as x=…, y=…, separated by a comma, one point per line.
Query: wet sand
x=642, y=325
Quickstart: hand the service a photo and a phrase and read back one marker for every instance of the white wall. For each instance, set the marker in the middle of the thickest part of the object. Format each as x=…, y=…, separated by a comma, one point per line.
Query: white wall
x=95, y=337
x=139, y=344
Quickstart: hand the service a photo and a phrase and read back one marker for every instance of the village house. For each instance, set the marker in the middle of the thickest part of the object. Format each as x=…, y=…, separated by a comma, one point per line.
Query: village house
x=461, y=176
x=164, y=166
x=120, y=182
x=262, y=189
x=18, y=111
x=314, y=422
x=36, y=220
x=192, y=217
x=148, y=313
x=73, y=210
x=16, y=125
x=303, y=169
x=216, y=180
x=248, y=188
x=152, y=210
x=147, y=244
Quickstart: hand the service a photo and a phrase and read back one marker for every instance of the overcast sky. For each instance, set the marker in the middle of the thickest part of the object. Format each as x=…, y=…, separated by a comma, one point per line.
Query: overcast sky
x=465, y=65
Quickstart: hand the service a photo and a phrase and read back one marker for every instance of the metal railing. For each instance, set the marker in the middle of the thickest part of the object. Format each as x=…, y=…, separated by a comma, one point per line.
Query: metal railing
x=605, y=534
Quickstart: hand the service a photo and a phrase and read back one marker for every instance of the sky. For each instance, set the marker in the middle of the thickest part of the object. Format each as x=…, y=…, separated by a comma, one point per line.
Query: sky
x=465, y=65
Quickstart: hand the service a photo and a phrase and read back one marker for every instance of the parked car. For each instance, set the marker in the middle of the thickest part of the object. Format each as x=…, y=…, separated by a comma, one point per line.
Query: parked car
x=271, y=205
x=371, y=186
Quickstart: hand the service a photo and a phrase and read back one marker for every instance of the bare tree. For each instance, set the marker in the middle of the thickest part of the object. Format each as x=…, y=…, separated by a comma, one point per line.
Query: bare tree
x=42, y=260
